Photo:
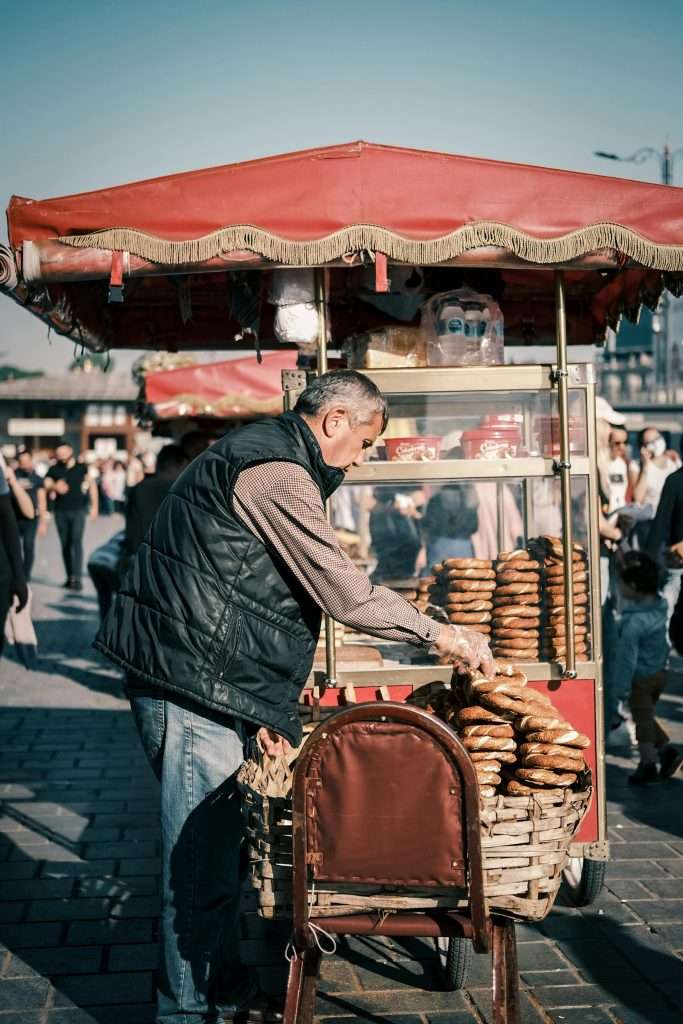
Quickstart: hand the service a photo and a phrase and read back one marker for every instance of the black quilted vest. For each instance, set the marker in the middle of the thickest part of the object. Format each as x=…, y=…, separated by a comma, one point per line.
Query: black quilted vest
x=208, y=611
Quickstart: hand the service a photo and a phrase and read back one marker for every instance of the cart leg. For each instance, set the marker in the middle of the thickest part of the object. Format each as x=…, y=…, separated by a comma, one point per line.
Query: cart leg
x=293, y=999
x=301, y=987
x=505, y=972
x=311, y=969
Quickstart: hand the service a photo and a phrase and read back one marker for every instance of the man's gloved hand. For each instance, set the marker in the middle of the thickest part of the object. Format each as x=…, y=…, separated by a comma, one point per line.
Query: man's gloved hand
x=20, y=592
x=466, y=645
x=273, y=744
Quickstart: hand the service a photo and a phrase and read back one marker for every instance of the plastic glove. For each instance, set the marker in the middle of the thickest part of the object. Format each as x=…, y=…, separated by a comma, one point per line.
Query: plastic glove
x=468, y=646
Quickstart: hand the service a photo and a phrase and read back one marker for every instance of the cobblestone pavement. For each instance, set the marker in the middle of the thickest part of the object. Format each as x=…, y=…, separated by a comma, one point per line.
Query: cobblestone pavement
x=79, y=872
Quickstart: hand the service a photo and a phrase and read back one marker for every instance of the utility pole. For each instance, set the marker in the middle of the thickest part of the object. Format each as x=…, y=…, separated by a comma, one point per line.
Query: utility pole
x=664, y=370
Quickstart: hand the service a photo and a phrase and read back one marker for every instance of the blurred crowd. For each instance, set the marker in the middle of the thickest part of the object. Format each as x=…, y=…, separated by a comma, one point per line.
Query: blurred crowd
x=400, y=532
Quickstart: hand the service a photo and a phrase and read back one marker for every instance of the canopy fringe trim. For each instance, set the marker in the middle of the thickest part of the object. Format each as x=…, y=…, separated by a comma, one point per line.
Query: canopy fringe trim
x=370, y=237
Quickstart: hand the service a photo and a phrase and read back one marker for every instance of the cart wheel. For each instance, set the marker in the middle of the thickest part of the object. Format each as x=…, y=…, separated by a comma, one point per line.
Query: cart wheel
x=455, y=955
x=583, y=880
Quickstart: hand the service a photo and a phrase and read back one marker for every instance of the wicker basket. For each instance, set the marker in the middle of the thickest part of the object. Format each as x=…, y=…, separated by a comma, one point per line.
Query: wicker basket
x=525, y=842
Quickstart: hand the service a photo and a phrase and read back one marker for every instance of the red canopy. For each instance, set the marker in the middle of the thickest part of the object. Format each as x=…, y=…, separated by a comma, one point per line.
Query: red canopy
x=333, y=206
x=233, y=388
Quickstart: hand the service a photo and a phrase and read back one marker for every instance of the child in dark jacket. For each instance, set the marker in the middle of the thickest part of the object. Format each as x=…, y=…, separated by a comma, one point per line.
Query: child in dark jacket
x=641, y=663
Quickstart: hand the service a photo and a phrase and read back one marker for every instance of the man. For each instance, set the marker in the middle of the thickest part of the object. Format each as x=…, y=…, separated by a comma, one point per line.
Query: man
x=13, y=588
x=617, y=469
x=665, y=539
x=145, y=498
x=31, y=483
x=217, y=624
x=71, y=487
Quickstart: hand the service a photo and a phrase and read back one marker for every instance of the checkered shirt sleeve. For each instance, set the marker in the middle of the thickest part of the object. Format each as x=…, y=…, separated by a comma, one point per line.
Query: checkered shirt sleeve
x=280, y=503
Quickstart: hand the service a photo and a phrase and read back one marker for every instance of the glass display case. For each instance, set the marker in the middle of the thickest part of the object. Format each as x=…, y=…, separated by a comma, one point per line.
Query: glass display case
x=467, y=468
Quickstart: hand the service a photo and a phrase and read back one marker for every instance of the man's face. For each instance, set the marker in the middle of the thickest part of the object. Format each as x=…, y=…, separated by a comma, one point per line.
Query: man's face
x=25, y=460
x=650, y=436
x=64, y=452
x=342, y=444
x=617, y=443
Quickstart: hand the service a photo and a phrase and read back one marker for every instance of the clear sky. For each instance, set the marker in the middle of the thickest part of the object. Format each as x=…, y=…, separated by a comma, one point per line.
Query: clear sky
x=96, y=94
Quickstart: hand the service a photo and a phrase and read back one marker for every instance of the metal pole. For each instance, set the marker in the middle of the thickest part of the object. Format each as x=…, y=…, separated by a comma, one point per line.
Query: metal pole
x=321, y=302
x=564, y=468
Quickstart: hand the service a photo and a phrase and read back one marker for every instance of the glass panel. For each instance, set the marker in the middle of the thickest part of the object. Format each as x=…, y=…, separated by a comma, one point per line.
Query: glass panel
x=398, y=533
x=481, y=425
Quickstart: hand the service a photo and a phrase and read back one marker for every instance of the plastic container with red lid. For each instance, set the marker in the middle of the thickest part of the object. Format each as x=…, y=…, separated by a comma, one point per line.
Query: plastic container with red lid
x=500, y=441
x=546, y=431
x=426, y=448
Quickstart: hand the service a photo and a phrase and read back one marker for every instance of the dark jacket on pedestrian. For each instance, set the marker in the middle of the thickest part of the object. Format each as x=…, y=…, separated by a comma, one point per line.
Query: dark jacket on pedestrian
x=207, y=611
x=667, y=526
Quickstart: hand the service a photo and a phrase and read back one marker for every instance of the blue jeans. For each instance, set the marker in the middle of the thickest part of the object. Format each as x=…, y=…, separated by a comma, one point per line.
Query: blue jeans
x=195, y=754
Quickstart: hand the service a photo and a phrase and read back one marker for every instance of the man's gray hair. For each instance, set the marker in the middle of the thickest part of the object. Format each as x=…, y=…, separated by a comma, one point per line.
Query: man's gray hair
x=346, y=389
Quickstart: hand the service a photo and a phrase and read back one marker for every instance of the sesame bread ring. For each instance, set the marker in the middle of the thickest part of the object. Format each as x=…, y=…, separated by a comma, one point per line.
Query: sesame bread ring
x=478, y=605
x=425, y=582
x=505, y=600
x=551, y=541
x=491, y=758
x=553, y=569
x=510, y=688
x=518, y=611
x=546, y=777
x=518, y=577
x=464, y=618
x=464, y=563
x=469, y=585
x=488, y=779
x=513, y=621
x=518, y=634
x=518, y=588
x=558, y=613
x=560, y=650
x=498, y=757
x=536, y=722
x=516, y=653
x=559, y=630
x=512, y=674
x=477, y=628
x=487, y=791
x=554, y=573
x=519, y=554
x=509, y=707
x=558, y=588
x=488, y=743
x=521, y=643
x=559, y=737
x=549, y=749
x=480, y=716
x=470, y=574
x=487, y=729
x=518, y=565
x=556, y=598
x=553, y=761
x=516, y=788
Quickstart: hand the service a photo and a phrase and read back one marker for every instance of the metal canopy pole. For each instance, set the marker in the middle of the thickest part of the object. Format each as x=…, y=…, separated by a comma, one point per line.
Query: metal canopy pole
x=564, y=469
x=321, y=303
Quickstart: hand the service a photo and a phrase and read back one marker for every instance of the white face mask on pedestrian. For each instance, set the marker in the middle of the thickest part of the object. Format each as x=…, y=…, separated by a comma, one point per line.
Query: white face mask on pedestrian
x=657, y=447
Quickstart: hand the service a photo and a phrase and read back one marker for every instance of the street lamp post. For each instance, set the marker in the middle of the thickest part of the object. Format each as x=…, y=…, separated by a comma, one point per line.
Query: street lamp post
x=663, y=342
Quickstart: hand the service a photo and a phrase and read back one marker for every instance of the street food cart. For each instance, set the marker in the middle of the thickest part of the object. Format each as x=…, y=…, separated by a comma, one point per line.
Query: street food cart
x=187, y=261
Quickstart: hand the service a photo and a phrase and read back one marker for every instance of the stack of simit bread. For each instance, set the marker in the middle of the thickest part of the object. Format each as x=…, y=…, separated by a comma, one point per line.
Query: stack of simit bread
x=465, y=589
x=424, y=587
x=517, y=606
x=548, y=751
x=548, y=550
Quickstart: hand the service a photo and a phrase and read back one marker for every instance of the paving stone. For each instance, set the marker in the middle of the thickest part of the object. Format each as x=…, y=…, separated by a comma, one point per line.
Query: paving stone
x=667, y=888
x=96, y=933
x=29, y=994
x=389, y=1002
x=641, y=851
x=90, y=990
x=68, y=910
x=138, y=957
x=672, y=934
x=539, y=956
x=58, y=960
x=10, y=913
x=139, y=866
x=560, y=976
x=78, y=868
x=642, y=869
x=97, y=851
x=23, y=936
x=406, y=974
x=582, y=1015
x=529, y=1012
x=628, y=889
x=661, y=911
x=37, y=888
x=135, y=906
